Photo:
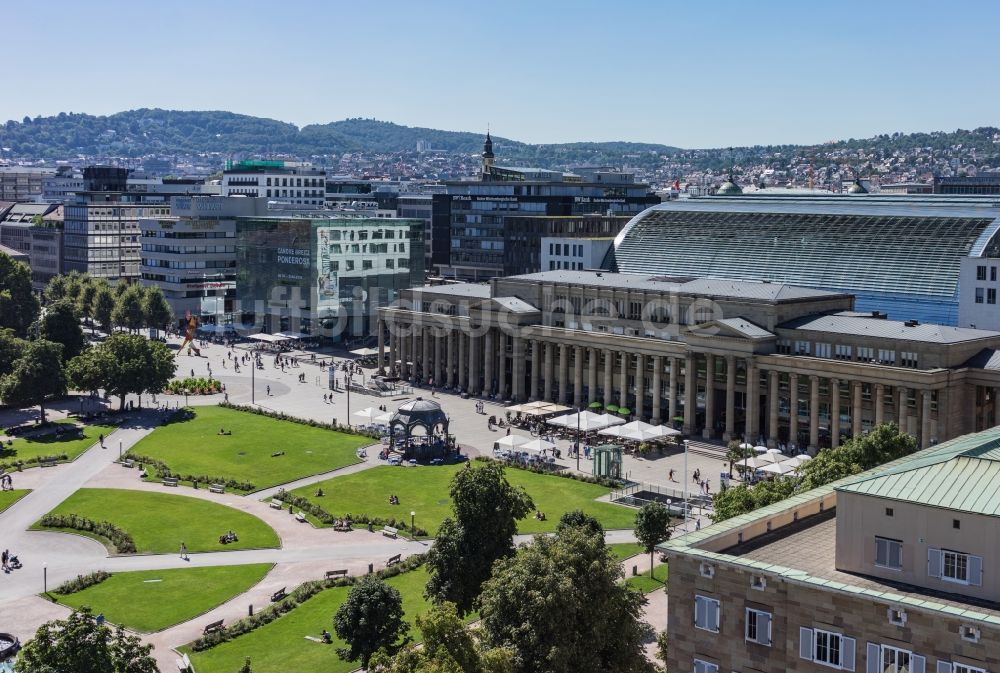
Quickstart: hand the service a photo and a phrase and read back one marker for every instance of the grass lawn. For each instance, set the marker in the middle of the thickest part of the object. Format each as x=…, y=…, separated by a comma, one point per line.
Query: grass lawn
x=152, y=600
x=644, y=583
x=159, y=522
x=281, y=646
x=8, y=498
x=24, y=448
x=624, y=550
x=195, y=447
x=424, y=490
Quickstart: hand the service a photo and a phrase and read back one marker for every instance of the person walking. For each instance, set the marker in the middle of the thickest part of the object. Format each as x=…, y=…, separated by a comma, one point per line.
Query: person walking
x=184, y=552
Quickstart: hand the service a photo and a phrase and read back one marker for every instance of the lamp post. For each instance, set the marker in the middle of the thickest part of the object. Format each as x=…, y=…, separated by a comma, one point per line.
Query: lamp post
x=347, y=384
x=413, y=530
x=119, y=449
x=253, y=387
x=578, y=439
x=687, y=443
x=45, y=578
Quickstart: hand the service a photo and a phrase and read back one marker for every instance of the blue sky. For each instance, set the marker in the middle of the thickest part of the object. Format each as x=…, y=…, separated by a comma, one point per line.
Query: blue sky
x=690, y=74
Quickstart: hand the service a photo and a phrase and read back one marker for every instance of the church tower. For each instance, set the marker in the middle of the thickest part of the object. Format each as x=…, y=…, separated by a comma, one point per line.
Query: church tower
x=487, y=157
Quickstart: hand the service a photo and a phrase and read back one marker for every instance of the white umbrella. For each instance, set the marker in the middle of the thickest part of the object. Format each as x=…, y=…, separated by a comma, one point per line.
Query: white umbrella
x=536, y=445
x=369, y=414
x=777, y=468
x=383, y=418
x=586, y=421
x=611, y=432
x=760, y=448
x=768, y=458
x=511, y=441
x=776, y=452
x=796, y=461
x=639, y=431
x=746, y=445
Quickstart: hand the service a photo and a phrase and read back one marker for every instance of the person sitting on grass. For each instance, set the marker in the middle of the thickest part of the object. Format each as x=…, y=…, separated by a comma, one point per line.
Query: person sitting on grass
x=327, y=638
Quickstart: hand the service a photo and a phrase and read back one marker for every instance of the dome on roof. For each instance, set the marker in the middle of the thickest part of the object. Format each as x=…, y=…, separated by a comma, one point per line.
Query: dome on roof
x=729, y=188
x=420, y=412
x=857, y=188
x=419, y=405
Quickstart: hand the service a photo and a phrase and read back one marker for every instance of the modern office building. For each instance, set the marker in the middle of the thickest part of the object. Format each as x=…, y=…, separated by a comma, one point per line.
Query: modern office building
x=895, y=570
x=281, y=181
x=35, y=230
x=15, y=255
x=191, y=254
x=574, y=254
x=721, y=358
x=898, y=254
x=297, y=270
x=477, y=212
x=63, y=186
x=164, y=189
x=22, y=183
x=978, y=185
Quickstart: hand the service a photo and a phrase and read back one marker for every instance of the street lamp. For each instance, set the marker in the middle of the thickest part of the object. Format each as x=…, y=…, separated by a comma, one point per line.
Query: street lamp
x=119, y=449
x=45, y=578
x=253, y=387
x=348, y=375
x=687, y=443
x=413, y=531
x=578, y=439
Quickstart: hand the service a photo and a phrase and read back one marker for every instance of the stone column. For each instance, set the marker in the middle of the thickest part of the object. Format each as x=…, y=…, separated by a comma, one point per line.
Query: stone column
x=793, y=409
x=623, y=381
x=489, y=357
x=578, y=353
x=657, y=389
x=404, y=355
x=879, y=403
x=690, y=392
x=592, y=376
x=672, y=385
x=925, y=419
x=475, y=349
x=536, y=364
x=414, y=350
x=709, y=430
x=730, y=398
x=393, y=350
x=381, y=346
x=902, y=408
x=772, y=416
x=549, y=371
x=813, y=414
x=563, y=373
x=640, y=387
x=452, y=363
x=753, y=401
x=438, y=360
x=609, y=365
x=834, y=413
x=517, y=370
x=501, y=346
x=856, y=409
x=426, y=342
x=463, y=362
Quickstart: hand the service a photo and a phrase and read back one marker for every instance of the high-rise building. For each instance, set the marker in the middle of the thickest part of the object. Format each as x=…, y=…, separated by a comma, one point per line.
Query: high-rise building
x=22, y=183
x=281, y=181
x=36, y=230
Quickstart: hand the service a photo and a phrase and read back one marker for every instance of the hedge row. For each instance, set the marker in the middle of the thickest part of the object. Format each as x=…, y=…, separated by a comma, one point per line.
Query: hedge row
x=19, y=465
x=328, y=519
x=194, y=385
x=122, y=541
x=297, y=597
x=81, y=582
x=162, y=471
x=601, y=481
x=280, y=416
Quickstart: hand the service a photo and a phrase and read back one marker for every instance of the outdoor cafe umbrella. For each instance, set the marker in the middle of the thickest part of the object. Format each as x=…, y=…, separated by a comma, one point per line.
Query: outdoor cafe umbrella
x=778, y=468
x=536, y=445
x=511, y=441
x=586, y=421
x=383, y=418
x=760, y=448
x=746, y=445
x=368, y=414
x=639, y=431
x=797, y=461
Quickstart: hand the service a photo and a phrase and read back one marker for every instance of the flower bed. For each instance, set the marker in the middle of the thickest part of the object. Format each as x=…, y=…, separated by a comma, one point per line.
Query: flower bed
x=194, y=386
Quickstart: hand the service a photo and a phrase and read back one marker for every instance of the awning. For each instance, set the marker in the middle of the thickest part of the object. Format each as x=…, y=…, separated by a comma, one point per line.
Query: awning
x=294, y=335
x=363, y=352
x=269, y=338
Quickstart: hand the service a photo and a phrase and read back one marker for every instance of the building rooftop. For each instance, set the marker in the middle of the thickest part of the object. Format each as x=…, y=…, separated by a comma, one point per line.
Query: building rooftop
x=456, y=290
x=854, y=325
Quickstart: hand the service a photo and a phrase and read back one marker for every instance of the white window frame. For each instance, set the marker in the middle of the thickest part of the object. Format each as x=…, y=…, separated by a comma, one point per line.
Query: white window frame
x=706, y=606
x=956, y=557
x=809, y=643
x=898, y=655
x=702, y=666
x=973, y=566
x=753, y=616
x=888, y=543
x=957, y=667
x=829, y=637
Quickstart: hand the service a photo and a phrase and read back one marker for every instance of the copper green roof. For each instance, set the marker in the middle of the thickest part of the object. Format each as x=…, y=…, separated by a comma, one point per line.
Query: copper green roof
x=961, y=475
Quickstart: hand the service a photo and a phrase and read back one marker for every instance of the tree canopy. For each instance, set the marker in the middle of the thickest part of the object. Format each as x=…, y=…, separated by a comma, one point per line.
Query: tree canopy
x=35, y=376
x=370, y=619
x=18, y=305
x=652, y=526
x=61, y=324
x=124, y=364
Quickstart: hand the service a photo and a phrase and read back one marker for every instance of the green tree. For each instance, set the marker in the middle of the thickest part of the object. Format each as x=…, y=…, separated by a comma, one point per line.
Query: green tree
x=74, y=284
x=37, y=375
x=576, y=518
x=11, y=349
x=155, y=309
x=370, y=619
x=828, y=465
x=884, y=443
x=652, y=526
x=85, y=302
x=560, y=605
x=733, y=501
x=486, y=509
x=128, y=309
x=104, y=306
x=662, y=646
x=78, y=644
x=771, y=491
x=55, y=289
x=124, y=364
x=61, y=323
x=18, y=304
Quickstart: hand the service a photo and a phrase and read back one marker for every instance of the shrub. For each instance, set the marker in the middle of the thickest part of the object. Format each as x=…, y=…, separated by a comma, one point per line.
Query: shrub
x=19, y=465
x=328, y=519
x=194, y=386
x=280, y=416
x=601, y=481
x=122, y=541
x=81, y=582
x=162, y=471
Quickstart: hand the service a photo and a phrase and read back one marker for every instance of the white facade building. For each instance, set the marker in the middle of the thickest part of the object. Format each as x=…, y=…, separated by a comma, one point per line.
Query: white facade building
x=575, y=254
x=291, y=182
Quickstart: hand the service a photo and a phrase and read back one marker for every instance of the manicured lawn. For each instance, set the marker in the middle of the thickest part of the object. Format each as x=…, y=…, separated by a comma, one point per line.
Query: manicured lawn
x=281, y=646
x=195, y=447
x=424, y=490
x=8, y=498
x=152, y=600
x=644, y=583
x=159, y=522
x=24, y=448
x=624, y=550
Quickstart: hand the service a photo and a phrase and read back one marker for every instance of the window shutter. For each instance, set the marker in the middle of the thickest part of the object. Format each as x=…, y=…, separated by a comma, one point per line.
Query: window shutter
x=807, y=643
x=847, y=653
x=873, y=658
x=764, y=628
x=934, y=563
x=976, y=570
x=943, y=666
x=699, y=611
x=713, y=615
x=699, y=666
x=917, y=663
x=881, y=551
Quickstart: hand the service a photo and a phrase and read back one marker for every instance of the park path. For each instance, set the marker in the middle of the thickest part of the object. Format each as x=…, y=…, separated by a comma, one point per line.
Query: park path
x=366, y=463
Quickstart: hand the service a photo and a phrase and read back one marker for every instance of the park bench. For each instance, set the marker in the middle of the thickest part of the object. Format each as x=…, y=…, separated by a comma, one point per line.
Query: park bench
x=184, y=664
x=278, y=595
x=170, y=481
x=217, y=488
x=300, y=517
x=47, y=463
x=128, y=462
x=276, y=504
x=213, y=627
x=389, y=531
x=392, y=560
x=330, y=574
